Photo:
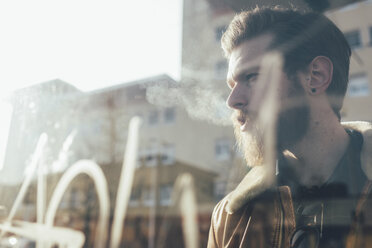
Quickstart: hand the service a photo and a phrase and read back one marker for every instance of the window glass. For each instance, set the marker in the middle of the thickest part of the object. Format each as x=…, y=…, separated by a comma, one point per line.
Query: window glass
x=135, y=197
x=223, y=149
x=74, y=198
x=117, y=130
x=358, y=86
x=353, y=38
x=169, y=115
x=148, y=197
x=168, y=154
x=150, y=157
x=165, y=195
x=153, y=118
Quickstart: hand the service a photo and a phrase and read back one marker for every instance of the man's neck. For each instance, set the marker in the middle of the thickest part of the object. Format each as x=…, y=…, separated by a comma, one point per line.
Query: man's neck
x=316, y=156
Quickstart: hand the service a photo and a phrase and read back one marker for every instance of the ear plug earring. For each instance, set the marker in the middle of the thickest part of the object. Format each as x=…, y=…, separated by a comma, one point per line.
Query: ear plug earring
x=313, y=90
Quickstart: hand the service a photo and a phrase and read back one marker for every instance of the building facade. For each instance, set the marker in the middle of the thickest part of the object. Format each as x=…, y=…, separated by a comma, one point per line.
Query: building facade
x=94, y=125
x=356, y=23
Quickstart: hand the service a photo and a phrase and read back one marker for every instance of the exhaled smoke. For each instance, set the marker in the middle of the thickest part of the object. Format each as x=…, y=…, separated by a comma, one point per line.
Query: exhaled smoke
x=201, y=98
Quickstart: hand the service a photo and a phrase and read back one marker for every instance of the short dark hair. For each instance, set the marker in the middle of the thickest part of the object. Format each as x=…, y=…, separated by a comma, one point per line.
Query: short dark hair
x=300, y=37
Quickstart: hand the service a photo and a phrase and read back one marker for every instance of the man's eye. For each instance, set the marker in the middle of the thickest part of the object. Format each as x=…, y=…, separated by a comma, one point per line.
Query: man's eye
x=251, y=77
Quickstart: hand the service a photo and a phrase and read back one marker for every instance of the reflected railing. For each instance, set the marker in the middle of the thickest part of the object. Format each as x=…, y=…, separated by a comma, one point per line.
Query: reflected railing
x=45, y=234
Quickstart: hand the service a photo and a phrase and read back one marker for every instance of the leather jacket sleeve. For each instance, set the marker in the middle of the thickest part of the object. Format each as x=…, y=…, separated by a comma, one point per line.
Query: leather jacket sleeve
x=257, y=224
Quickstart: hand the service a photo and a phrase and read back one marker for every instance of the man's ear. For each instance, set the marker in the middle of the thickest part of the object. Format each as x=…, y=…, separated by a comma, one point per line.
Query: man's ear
x=321, y=73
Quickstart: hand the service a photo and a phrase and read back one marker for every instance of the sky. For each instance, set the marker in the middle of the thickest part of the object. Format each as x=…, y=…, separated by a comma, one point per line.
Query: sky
x=90, y=44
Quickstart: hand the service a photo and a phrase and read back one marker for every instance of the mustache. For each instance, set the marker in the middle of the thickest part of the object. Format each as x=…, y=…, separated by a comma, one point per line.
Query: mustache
x=239, y=117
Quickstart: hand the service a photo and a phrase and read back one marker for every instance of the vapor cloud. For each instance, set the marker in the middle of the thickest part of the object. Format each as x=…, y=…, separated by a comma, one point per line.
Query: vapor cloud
x=201, y=98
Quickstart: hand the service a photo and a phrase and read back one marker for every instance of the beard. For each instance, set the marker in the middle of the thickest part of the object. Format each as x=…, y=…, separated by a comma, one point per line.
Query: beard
x=291, y=126
x=249, y=143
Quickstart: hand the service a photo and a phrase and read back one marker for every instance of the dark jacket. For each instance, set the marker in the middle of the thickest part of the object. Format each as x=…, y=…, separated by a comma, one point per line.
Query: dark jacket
x=259, y=214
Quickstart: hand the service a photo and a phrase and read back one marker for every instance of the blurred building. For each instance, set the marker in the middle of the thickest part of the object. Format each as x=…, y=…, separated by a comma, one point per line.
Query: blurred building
x=48, y=107
x=154, y=213
x=167, y=129
x=94, y=125
x=355, y=20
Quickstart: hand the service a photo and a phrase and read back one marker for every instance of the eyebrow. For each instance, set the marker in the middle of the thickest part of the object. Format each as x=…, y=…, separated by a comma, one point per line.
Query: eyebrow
x=241, y=73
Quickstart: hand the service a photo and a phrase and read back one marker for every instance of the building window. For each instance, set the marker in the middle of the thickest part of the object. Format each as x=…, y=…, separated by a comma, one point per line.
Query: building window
x=165, y=195
x=219, y=32
x=223, y=149
x=220, y=190
x=168, y=152
x=28, y=197
x=74, y=198
x=140, y=158
x=65, y=201
x=169, y=115
x=370, y=36
x=353, y=38
x=358, y=86
x=220, y=69
x=135, y=197
x=150, y=157
x=148, y=197
x=153, y=118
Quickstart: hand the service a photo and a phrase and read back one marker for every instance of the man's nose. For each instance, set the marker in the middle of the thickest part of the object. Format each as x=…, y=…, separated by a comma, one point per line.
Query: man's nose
x=238, y=98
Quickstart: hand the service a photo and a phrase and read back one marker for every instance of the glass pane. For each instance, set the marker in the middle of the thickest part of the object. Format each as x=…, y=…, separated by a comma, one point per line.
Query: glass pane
x=124, y=123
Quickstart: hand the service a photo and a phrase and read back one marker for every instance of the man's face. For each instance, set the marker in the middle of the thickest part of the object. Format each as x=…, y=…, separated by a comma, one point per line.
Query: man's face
x=246, y=98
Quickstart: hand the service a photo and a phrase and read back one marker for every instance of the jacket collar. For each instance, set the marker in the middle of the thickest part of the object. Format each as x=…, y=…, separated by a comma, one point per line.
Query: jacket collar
x=261, y=178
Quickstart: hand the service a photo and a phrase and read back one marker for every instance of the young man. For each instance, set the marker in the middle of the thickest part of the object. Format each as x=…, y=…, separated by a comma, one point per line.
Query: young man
x=316, y=193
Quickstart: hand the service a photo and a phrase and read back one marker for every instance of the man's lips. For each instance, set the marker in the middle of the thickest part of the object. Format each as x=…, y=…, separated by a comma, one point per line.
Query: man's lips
x=243, y=122
x=245, y=126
